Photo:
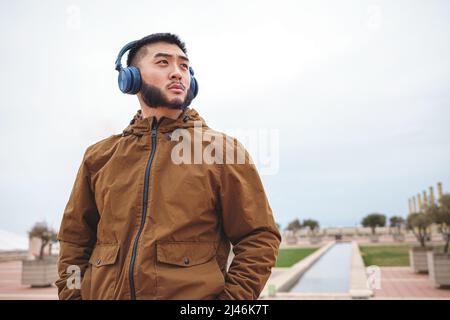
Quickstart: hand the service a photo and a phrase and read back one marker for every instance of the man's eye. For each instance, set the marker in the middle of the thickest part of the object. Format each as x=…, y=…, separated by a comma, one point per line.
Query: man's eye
x=185, y=65
x=165, y=61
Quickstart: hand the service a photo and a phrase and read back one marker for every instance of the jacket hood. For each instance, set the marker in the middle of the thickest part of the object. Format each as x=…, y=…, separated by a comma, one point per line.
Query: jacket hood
x=139, y=126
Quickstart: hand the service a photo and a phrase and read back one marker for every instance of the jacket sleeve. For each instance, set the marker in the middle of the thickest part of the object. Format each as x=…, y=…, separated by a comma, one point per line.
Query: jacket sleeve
x=249, y=224
x=77, y=233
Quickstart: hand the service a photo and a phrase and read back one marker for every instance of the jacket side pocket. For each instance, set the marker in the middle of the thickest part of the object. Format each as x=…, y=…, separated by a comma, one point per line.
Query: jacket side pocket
x=188, y=270
x=104, y=271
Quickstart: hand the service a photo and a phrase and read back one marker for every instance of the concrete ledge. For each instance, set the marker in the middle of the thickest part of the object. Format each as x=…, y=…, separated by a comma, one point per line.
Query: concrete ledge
x=358, y=278
x=285, y=281
x=308, y=296
x=6, y=256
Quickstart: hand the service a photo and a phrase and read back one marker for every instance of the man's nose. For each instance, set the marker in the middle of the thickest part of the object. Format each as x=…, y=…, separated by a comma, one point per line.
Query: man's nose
x=176, y=73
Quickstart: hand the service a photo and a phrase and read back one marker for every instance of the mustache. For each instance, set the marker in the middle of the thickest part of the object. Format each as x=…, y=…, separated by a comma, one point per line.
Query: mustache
x=178, y=83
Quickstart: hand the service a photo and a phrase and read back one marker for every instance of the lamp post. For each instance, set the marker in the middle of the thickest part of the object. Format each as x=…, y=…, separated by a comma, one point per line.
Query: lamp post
x=414, y=204
x=419, y=201
x=425, y=199
x=432, y=202
x=439, y=187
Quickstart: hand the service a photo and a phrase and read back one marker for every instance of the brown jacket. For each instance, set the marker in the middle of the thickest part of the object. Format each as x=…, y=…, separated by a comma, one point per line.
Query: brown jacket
x=140, y=226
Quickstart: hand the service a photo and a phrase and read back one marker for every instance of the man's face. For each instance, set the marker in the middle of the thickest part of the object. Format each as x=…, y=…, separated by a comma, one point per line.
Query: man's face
x=165, y=75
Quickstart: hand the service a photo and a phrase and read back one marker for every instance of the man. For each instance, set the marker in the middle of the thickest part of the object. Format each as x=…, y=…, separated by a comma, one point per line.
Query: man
x=140, y=223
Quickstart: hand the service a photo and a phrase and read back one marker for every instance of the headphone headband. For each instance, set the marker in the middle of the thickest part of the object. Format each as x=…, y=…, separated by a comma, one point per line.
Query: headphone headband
x=127, y=47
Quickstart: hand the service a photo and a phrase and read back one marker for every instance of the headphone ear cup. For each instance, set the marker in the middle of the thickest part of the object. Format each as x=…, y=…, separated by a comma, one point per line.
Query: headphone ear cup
x=124, y=80
x=136, y=83
x=194, y=84
x=194, y=87
x=129, y=80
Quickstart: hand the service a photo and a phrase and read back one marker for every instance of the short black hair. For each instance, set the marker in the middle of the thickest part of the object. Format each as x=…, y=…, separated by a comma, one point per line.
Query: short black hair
x=153, y=38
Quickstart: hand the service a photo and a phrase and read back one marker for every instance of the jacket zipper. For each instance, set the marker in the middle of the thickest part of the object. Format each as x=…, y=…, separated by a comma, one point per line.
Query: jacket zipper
x=144, y=210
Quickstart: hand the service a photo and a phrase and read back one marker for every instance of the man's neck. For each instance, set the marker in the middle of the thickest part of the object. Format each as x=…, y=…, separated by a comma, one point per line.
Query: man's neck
x=160, y=112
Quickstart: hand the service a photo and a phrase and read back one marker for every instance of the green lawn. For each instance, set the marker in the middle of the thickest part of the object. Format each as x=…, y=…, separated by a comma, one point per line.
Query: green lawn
x=388, y=256
x=288, y=257
x=385, y=256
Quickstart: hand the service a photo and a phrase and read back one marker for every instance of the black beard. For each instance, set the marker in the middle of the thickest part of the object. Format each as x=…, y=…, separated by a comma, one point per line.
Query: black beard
x=154, y=97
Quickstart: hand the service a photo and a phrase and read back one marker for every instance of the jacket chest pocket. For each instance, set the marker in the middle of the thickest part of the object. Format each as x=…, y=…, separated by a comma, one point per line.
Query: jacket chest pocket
x=103, y=271
x=188, y=270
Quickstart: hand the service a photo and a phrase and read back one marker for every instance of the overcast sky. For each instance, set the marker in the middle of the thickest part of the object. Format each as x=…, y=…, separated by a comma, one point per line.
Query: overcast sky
x=358, y=93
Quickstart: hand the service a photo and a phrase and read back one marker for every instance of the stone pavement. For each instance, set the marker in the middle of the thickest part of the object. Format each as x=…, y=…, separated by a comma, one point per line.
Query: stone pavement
x=402, y=283
x=12, y=289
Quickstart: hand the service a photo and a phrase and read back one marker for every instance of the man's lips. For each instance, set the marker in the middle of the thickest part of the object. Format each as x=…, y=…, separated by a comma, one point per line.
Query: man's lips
x=176, y=87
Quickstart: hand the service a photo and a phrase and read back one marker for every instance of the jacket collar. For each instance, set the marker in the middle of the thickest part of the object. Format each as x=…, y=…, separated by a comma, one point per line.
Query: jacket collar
x=139, y=126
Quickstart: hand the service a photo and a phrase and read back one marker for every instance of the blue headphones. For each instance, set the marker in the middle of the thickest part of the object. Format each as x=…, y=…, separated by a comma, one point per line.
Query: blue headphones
x=130, y=78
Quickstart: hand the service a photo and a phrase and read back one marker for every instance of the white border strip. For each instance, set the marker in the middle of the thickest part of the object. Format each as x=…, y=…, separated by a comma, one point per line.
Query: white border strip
x=285, y=281
x=358, y=278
